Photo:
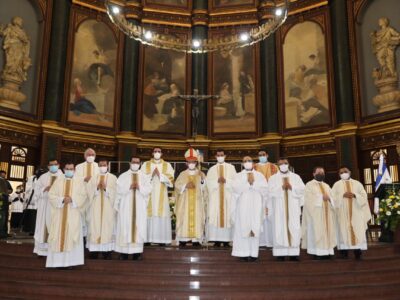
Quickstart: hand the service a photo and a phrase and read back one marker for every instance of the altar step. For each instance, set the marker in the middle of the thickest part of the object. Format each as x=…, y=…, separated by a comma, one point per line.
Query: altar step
x=201, y=274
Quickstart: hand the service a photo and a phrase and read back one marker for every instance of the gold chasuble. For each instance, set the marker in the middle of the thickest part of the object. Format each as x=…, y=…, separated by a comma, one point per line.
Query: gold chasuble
x=267, y=169
x=189, y=206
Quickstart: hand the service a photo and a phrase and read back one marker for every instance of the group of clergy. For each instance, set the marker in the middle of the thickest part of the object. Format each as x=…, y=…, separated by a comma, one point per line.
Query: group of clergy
x=265, y=204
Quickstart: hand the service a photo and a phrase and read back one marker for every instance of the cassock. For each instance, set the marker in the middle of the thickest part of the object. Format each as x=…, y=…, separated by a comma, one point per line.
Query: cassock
x=219, y=227
x=284, y=212
x=267, y=169
x=318, y=228
x=158, y=212
x=102, y=215
x=83, y=170
x=65, y=230
x=131, y=206
x=43, y=215
x=352, y=215
x=189, y=207
x=248, y=213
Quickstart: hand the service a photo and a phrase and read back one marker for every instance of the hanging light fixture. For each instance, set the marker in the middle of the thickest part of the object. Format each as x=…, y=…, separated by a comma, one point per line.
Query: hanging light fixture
x=169, y=41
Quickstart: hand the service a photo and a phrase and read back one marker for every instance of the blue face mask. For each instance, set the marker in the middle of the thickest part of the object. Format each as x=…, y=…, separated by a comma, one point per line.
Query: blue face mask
x=69, y=173
x=262, y=159
x=53, y=169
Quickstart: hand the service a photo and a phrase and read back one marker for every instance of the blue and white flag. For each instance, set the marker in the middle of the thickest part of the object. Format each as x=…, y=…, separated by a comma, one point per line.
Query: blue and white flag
x=383, y=173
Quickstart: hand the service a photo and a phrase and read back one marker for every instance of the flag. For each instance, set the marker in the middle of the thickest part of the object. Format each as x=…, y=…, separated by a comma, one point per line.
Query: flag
x=383, y=173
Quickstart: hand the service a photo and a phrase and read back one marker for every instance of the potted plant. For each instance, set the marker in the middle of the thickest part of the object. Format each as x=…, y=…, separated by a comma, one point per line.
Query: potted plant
x=389, y=217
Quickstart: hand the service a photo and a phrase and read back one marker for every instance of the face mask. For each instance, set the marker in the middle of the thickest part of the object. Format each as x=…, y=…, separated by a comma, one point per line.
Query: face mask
x=248, y=165
x=220, y=159
x=319, y=177
x=135, y=167
x=69, y=173
x=192, y=166
x=262, y=159
x=90, y=159
x=157, y=155
x=103, y=170
x=345, y=176
x=53, y=169
x=284, y=168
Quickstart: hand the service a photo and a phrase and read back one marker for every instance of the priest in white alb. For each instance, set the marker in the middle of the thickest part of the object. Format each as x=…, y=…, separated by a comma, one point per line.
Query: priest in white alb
x=159, y=216
x=133, y=190
x=88, y=171
x=284, y=202
x=43, y=214
x=318, y=227
x=102, y=214
x=219, y=181
x=248, y=212
x=352, y=214
x=67, y=198
x=191, y=196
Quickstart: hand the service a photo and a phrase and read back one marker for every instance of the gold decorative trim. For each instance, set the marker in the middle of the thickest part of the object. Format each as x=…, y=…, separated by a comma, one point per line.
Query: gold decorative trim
x=157, y=21
x=300, y=10
x=166, y=11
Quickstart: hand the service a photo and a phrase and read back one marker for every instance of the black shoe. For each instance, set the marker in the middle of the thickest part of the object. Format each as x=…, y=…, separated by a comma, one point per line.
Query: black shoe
x=107, y=255
x=244, y=259
x=93, y=255
x=123, y=256
x=225, y=244
x=253, y=259
x=280, y=258
x=182, y=244
x=294, y=258
x=343, y=254
x=147, y=244
x=357, y=254
x=162, y=245
x=196, y=244
x=137, y=256
x=316, y=257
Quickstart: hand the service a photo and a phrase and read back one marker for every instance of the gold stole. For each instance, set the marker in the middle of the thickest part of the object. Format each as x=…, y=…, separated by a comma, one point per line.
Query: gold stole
x=89, y=169
x=250, y=176
x=347, y=185
x=67, y=193
x=46, y=233
x=266, y=169
x=221, y=197
x=134, y=229
x=102, y=181
x=286, y=196
x=192, y=193
x=326, y=210
x=162, y=190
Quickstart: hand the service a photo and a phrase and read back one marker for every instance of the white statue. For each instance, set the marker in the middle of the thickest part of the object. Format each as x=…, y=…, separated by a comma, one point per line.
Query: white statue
x=16, y=46
x=384, y=43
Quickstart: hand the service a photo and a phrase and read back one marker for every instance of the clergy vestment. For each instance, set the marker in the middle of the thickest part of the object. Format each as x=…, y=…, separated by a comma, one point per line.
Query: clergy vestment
x=318, y=228
x=267, y=169
x=352, y=214
x=284, y=212
x=43, y=215
x=248, y=212
x=159, y=216
x=220, y=202
x=83, y=170
x=189, y=207
x=65, y=230
x=131, y=206
x=102, y=215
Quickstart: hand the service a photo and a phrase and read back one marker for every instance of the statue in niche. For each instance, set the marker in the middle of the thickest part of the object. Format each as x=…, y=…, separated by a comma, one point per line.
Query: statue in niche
x=384, y=44
x=16, y=46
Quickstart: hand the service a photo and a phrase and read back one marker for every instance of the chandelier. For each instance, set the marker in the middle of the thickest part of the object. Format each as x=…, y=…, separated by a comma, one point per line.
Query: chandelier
x=194, y=45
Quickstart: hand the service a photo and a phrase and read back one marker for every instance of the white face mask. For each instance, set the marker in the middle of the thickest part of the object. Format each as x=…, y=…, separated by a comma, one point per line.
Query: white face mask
x=345, y=176
x=135, y=167
x=220, y=159
x=103, y=170
x=284, y=168
x=192, y=166
x=248, y=165
x=90, y=159
x=157, y=155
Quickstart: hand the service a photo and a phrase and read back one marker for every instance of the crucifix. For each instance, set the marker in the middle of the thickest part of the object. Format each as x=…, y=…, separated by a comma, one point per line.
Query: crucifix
x=195, y=100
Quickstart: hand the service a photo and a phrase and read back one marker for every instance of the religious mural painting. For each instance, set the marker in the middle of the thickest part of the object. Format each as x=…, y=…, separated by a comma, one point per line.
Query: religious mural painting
x=170, y=3
x=233, y=79
x=230, y=3
x=305, y=74
x=92, y=91
x=164, y=79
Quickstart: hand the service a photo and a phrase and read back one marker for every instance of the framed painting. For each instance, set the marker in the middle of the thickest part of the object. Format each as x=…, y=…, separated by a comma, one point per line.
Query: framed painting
x=174, y=4
x=164, y=76
x=216, y=4
x=238, y=90
x=93, y=85
x=305, y=74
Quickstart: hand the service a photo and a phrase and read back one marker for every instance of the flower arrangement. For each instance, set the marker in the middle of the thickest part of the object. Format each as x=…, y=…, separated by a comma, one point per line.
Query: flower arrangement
x=389, y=211
x=172, y=210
